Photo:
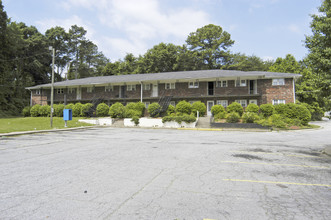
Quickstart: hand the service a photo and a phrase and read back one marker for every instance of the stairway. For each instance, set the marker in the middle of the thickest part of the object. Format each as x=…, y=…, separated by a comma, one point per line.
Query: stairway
x=204, y=122
x=164, y=103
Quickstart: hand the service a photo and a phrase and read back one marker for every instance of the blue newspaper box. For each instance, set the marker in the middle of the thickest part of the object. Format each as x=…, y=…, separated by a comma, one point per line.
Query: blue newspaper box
x=67, y=114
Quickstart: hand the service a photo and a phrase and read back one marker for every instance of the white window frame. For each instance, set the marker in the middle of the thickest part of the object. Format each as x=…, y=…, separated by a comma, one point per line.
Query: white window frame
x=147, y=86
x=254, y=101
x=71, y=90
x=222, y=83
x=278, y=101
x=169, y=86
x=109, y=88
x=191, y=102
x=242, y=102
x=60, y=91
x=193, y=84
x=131, y=88
x=223, y=103
x=147, y=104
x=241, y=83
x=278, y=82
x=89, y=89
x=38, y=91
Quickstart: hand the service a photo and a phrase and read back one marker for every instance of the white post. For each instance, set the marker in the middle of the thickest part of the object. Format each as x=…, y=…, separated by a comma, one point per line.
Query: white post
x=52, y=87
x=141, y=92
x=293, y=90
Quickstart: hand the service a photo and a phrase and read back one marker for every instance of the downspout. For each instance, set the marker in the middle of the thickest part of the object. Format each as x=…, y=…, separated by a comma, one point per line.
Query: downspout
x=141, y=91
x=293, y=90
x=30, y=97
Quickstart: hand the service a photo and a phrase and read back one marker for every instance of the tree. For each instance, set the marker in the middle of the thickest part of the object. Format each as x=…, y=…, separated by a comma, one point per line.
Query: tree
x=242, y=62
x=286, y=65
x=211, y=44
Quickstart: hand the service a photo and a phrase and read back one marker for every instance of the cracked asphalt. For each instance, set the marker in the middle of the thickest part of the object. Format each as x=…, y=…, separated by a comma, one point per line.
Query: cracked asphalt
x=132, y=173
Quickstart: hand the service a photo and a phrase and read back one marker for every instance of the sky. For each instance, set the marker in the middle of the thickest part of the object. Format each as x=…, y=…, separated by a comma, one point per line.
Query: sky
x=264, y=28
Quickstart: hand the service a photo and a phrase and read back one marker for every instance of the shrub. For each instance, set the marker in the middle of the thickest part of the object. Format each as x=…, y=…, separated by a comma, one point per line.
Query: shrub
x=297, y=111
x=130, y=113
x=267, y=110
x=199, y=107
x=216, y=109
x=235, y=107
x=135, y=120
x=250, y=117
x=45, y=110
x=154, y=109
x=137, y=106
x=254, y=108
x=58, y=110
x=179, y=118
x=70, y=106
x=26, y=111
x=102, y=110
x=86, y=109
x=220, y=115
x=280, y=109
x=171, y=109
x=278, y=121
x=77, y=109
x=34, y=111
x=233, y=117
x=183, y=107
x=117, y=110
x=316, y=112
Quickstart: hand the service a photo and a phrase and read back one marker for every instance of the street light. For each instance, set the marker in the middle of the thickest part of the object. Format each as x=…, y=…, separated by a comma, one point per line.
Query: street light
x=52, y=87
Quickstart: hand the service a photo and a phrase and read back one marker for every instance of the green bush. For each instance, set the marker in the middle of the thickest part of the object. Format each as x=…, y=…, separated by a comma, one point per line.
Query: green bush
x=233, y=117
x=70, y=106
x=179, y=118
x=199, y=107
x=154, y=109
x=34, y=111
x=235, y=107
x=278, y=121
x=76, y=110
x=26, y=111
x=58, y=110
x=130, y=113
x=135, y=119
x=45, y=110
x=216, y=109
x=297, y=111
x=183, y=107
x=267, y=110
x=117, y=110
x=86, y=109
x=220, y=115
x=280, y=109
x=102, y=110
x=250, y=117
x=252, y=108
x=171, y=110
x=136, y=106
x=316, y=112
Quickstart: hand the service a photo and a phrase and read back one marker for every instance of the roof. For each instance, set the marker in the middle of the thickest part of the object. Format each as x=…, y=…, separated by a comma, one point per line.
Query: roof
x=166, y=76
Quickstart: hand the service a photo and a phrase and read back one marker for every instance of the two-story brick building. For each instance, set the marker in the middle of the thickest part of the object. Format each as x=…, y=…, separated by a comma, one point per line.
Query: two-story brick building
x=209, y=86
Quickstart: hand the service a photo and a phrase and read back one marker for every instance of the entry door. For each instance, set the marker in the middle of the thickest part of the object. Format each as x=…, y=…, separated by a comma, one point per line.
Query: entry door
x=210, y=104
x=79, y=93
x=252, y=87
x=155, y=91
x=122, y=91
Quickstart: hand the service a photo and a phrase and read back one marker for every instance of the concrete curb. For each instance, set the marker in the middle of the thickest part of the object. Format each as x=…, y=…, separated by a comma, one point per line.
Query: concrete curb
x=327, y=150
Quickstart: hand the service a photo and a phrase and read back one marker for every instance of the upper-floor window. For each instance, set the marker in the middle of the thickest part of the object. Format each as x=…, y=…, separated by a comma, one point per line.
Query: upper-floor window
x=224, y=103
x=169, y=86
x=222, y=83
x=89, y=89
x=193, y=84
x=242, y=102
x=109, y=88
x=71, y=90
x=241, y=83
x=38, y=92
x=131, y=87
x=60, y=91
x=147, y=86
x=278, y=101
x=278, y=82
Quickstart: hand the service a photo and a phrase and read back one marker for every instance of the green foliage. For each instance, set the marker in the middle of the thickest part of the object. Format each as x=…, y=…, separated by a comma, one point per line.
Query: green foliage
x=254, y=108
x=216, y=109
x=45, y=110
x=286, y=65
x=267, y=110
x=69, y=106
x=139, y=107
x=280, y=109
x=183, y=107
x=235, y=107
x=300, y=112
x=154, y=110
x=232, y=117
x=316, y=112
x=220, y=115
x=130, y=113
x=85, y=110
x=58, y=110
x=135, y=120
x=179, y=118
x=117, y=110
x=250, y=117
x=102, y=110
x=242, y=62
x=277, y=121
x=34, y=111
x=171, y=110
x=26, y=111
x=77, y=109
x=199, y=107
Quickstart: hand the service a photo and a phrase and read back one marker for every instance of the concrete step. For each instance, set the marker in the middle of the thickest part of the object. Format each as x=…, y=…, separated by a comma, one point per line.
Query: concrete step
x=118, y=123
x=203, y=122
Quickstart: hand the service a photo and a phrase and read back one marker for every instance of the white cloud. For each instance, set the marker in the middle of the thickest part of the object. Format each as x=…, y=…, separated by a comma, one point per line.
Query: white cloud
x=294, y=28
x=268, y=58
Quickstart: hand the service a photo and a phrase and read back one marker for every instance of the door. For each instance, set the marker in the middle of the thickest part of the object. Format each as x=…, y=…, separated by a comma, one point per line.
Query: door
x=210, y=104
x=122, y=91
x=210, y=88
x=79, y=93
x=155, y=91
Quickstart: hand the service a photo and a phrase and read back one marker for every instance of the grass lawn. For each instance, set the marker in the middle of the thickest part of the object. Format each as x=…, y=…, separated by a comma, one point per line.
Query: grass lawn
x=36, y=123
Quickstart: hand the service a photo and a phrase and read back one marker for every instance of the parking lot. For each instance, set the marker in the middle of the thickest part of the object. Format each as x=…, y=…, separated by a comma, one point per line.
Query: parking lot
x=133, y=173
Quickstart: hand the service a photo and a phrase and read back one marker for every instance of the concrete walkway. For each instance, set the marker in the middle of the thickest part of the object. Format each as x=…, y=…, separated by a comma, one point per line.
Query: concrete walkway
x=204, y=122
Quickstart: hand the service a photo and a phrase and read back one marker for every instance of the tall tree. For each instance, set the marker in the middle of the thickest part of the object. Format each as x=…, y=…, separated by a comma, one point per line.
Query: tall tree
x=286, y=65
x=211, y=44
x=242, y=62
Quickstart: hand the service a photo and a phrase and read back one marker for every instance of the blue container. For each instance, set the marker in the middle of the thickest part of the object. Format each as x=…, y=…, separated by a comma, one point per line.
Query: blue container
x=67, y=114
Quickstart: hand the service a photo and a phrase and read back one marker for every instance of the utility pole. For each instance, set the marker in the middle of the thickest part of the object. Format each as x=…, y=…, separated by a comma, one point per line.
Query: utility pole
x=52, y=87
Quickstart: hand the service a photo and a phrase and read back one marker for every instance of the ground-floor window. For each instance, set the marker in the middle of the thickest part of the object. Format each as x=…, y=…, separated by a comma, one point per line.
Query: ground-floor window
x=224, y=103
x=109, y=88
x=38, y=92
x=147, y=86
x=242, y=102
x=253, y=101
x=222, y=83
x=89, y=89
x=147, y=104
x=278, y=101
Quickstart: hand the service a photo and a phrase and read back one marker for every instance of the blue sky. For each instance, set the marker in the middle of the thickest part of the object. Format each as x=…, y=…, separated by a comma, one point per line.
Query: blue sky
x=265, y=28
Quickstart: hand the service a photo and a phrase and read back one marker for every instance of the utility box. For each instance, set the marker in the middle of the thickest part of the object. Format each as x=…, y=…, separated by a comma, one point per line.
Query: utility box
x=67, y=114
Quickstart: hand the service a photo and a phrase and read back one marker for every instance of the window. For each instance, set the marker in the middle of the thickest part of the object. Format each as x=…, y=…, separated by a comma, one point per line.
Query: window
x=191, y=102
x=71, y=90
x=109, y=88
x=89, y=89
x=193, y=84
x=224, y=103
x=170, y=86
x=147, y=86
x=131, y=87
x=38, y=92
x=147, y=104
x=278, y=82
x=223, y=83
x=242, y=102
x=278, y=101
x=241, y=83
x=60, y=91
x=254, y=101
x=173, y=103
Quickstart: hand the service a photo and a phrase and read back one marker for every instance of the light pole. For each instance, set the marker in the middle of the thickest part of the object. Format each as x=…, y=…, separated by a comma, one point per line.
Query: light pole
x=52, y=87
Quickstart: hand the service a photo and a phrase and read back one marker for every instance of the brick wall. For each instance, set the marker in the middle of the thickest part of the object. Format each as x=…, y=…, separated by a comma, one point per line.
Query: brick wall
x=270, y=92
